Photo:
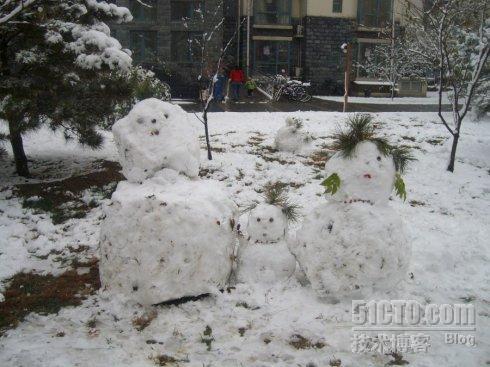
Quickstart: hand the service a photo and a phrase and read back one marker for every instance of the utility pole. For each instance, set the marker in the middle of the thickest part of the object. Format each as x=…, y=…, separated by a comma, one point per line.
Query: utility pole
x=238, y=25
x=392, y=61
x=250, y=8
x=347, y=50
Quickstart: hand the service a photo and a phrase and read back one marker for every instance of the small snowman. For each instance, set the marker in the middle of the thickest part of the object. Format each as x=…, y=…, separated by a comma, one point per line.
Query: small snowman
x=291, y=137
x=355, y=245
x=263, y=255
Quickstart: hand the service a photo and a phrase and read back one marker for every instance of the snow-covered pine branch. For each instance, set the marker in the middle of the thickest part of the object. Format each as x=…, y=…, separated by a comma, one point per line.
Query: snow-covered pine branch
x=62, y=67
x=12, y=8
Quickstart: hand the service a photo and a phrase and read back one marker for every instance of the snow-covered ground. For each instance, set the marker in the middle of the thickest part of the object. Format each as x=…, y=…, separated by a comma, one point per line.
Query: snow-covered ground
x=446, y=215
x=431, y=99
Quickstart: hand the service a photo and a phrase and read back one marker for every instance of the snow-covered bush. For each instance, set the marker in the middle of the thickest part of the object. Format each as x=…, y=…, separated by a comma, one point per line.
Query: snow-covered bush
x=263, y=255
x=167, y=238
x=355, y=244
x=156, y=135
x=292, y=137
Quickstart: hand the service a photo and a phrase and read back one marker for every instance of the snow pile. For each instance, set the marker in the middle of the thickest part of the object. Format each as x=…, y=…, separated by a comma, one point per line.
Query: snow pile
x=167, y=238
x=153, y=136
x=264, y=256
x=291, y=137
x=355, y=245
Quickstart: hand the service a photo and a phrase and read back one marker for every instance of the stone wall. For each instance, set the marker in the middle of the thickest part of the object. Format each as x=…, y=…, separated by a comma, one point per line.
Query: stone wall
x=322, y=56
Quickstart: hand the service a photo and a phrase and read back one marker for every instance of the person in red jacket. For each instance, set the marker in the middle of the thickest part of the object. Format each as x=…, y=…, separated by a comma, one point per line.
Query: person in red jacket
x=237, y=77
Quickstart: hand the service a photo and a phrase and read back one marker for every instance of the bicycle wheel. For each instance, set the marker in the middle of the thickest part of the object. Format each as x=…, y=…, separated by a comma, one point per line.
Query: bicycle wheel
x=306, y=97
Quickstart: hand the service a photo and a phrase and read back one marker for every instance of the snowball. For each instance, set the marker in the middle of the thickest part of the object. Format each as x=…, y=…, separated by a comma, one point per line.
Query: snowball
x=156, y=135
x=263, y=257
x=292, y=138
x=264, y=263
x=167, y=238
x=366, y=175
x=352, y=250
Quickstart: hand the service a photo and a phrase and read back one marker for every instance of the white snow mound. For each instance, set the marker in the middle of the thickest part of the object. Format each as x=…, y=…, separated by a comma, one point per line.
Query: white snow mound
x=167, y=238
x=352, y=250
x=291, y=137
x=156, y=135
x=366, y=175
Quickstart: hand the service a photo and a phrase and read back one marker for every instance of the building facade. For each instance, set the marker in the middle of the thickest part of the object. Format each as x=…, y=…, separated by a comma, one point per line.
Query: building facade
x=302, y=38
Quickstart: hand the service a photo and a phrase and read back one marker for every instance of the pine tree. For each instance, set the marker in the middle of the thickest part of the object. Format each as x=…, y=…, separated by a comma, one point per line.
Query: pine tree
x=59, y=66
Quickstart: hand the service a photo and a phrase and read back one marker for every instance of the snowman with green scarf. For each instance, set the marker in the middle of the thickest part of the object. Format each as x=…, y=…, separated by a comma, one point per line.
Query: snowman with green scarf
x=354, y=245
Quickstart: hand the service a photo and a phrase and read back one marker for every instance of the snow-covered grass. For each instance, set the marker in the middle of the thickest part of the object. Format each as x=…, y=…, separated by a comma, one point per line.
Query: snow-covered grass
x=446, y=216
x=431, y=99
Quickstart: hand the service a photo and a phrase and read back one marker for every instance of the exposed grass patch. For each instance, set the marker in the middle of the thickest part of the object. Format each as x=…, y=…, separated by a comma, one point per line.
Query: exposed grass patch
x=409, y=138
x=207, y=337
x=46, y=294
x=416, y=203
x=142, y=322
x=62, y=199
x=298, y=341
x=166, y=360
x=436, y=141
x=247, y=306
x=397, y=360
x=319, y=158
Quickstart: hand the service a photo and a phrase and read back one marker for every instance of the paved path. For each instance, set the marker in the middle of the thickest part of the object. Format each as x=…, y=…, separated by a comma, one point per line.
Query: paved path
x=260, y=105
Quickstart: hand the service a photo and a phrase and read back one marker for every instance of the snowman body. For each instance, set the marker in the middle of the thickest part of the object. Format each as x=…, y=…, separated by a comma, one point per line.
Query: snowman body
x=264, y=257
x=355, y=244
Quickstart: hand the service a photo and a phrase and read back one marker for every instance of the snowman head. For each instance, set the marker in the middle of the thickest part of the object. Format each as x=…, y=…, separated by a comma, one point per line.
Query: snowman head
x=267, y=222
x=365, y=168
x=295, y=123
x=151, y=115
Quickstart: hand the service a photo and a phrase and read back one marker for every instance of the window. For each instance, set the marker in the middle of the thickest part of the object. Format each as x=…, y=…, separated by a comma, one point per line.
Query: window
x=143, y=13
x=271, y=57
x=337, y=6
x=143, y=44
x=272, y=11
x=185, y=9
x=186, y=46
x=374, y=13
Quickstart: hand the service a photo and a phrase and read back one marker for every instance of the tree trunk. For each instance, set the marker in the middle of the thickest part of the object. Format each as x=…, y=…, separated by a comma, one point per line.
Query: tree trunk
x=18, y=150
x=454, y=147
x=206, y=133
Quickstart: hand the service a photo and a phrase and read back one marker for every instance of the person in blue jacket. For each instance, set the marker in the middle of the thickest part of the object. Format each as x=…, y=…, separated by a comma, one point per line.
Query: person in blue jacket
x=219, y=87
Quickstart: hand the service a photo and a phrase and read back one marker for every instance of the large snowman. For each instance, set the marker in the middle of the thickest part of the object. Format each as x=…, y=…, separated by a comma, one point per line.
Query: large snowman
x=355, y=245
x=165, y=236
x=263, y=255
